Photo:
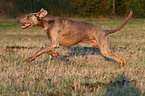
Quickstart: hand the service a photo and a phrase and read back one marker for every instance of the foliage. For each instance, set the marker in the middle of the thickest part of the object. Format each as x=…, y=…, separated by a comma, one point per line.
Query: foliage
x=72, y=8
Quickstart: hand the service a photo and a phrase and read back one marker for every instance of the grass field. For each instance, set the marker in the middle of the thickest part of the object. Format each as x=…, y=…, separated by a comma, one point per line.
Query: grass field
x=79, y=67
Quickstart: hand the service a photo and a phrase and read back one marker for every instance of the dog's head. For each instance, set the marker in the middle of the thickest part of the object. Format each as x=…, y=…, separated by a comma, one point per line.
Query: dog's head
x=32, y=19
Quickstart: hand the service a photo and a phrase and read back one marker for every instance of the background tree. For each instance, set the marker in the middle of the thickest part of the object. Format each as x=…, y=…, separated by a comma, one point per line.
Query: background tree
x=73, y=8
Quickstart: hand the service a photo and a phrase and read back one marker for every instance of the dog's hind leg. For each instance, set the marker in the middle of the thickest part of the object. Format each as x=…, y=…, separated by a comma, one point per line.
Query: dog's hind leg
x=105, y=48
x=122, y=58
x=115, y=57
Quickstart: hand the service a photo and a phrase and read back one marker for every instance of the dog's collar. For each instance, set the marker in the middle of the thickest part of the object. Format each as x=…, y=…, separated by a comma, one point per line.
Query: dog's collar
x=39, y=18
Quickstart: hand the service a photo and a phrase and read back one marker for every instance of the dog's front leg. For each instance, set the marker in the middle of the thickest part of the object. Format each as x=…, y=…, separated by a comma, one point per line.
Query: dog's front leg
x=44, y=50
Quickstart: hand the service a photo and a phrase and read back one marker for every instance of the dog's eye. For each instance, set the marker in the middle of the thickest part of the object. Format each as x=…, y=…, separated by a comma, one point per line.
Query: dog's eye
x=28, y=17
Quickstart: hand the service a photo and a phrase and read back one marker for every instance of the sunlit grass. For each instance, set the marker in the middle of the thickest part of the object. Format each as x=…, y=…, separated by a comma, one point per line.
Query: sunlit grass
x=76, y=65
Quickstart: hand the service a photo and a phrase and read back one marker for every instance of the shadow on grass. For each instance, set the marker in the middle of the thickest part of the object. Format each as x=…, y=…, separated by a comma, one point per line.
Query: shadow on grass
x=75, y=51
x=120, y=86
x=83, y=51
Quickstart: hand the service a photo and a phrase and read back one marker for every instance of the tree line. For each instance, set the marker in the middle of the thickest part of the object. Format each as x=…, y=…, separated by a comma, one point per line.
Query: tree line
x=73, y=8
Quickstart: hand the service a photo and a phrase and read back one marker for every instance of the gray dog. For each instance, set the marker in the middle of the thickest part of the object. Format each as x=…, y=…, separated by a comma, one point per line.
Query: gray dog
x=66, y=33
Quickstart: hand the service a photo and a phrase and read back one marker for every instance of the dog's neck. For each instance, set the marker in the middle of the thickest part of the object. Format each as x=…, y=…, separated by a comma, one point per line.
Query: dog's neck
x=45, y=24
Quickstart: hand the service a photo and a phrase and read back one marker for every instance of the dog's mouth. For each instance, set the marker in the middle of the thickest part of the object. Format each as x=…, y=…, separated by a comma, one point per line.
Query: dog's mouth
x=26, y=25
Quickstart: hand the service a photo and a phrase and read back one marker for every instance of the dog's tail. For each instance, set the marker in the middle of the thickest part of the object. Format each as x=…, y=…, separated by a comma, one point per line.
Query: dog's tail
x=123, y=24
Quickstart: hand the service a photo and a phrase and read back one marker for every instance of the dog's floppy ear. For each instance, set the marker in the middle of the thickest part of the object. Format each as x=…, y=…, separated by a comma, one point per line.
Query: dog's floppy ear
x=42, y=13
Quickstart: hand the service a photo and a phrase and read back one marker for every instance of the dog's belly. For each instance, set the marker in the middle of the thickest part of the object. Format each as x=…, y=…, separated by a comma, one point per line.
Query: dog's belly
x=69, y=41
x=92, y=42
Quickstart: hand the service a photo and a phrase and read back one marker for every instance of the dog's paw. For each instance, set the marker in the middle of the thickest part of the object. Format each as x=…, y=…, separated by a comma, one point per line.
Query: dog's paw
x=55, y=55
x=29, y=59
